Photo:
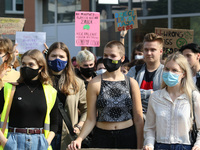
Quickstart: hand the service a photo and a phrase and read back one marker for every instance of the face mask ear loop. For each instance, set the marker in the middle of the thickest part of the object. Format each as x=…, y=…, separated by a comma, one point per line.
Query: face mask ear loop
x=5, y=55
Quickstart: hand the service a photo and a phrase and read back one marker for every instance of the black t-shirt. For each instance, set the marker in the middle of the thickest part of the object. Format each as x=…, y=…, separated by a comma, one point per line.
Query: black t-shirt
x=147, y=82
x=28, y=109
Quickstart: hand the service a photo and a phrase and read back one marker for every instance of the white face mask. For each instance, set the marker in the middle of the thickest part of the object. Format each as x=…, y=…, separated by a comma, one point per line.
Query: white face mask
x=101, y=71
x=139, y=56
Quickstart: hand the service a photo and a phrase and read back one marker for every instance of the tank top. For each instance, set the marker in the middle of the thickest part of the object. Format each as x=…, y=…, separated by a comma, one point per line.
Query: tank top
x=114, y=103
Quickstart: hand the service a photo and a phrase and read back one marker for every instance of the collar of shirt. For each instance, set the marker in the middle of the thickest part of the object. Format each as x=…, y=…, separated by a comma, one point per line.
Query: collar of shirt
x=166, y=95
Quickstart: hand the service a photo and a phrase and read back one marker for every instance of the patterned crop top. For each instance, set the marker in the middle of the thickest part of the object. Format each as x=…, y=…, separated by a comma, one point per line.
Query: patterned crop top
x=114, y=103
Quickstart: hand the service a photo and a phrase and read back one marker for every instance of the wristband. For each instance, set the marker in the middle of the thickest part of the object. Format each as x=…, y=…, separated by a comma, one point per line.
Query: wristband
x=78, y=126
x=122, y=37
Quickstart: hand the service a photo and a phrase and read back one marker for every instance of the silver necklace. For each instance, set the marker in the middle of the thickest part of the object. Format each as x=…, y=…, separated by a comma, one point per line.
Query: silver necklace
x=32, y=90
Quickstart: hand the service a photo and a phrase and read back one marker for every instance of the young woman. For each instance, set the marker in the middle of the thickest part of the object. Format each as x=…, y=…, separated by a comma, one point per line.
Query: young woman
x=168, y=119
x=7, y=59
x=71, y=93
x=113, y=109
x=33, y=113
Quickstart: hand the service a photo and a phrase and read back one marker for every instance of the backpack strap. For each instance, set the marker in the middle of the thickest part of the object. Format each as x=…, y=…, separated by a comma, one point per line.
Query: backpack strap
x=127, y=79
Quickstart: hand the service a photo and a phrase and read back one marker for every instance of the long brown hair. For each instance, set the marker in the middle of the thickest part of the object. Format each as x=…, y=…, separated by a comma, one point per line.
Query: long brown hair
x=67, y=80
x=6, y=46
x=40, y=59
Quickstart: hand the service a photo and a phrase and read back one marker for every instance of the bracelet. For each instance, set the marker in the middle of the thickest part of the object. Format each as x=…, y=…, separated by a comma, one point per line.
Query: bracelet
x=122, y=37
x=78, y=126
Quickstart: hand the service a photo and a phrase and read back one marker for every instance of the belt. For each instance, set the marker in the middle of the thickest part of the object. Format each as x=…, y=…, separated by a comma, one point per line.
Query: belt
x=27, y=130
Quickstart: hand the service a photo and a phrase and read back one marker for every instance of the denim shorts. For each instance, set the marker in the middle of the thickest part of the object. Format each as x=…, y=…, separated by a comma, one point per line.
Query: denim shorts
x=21, y=141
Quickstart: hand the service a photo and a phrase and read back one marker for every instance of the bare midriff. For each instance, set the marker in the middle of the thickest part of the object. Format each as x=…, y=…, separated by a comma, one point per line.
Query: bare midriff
x=114, y=125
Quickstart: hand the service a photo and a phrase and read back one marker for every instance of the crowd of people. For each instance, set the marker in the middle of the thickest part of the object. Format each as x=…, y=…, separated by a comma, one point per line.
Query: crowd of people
x=56, y=101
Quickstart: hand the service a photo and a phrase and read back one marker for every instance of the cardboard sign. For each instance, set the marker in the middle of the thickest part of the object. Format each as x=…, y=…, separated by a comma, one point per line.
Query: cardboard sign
x=87, y=29
x=126, y=20
x=30, y=40
x=11, y=25
x=174, y=39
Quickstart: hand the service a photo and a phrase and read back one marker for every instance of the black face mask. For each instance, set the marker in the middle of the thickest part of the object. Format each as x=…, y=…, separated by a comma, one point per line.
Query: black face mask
x=87, y=72
x=28, y=73
x=111, y=65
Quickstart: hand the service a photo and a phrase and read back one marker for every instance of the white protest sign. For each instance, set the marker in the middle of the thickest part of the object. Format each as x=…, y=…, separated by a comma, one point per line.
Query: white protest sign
x=30, y=40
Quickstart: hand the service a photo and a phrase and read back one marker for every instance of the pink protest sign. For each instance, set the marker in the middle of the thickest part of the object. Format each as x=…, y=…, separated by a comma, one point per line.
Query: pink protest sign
x=87, y=29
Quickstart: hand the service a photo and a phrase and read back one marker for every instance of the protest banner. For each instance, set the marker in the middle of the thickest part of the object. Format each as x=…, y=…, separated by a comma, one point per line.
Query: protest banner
x=174, y=39
x=126, y=20
x=30, y=40
x=87, y=29
x=11, y=25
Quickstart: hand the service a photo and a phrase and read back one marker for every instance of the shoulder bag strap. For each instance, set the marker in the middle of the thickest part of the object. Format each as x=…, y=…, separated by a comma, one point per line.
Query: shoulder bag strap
x=193, y=112
x=65, y=117
x=8, y=109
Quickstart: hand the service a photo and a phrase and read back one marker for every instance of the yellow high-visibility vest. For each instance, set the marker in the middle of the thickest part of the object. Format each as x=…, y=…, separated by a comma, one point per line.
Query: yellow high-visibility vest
x=50, y=95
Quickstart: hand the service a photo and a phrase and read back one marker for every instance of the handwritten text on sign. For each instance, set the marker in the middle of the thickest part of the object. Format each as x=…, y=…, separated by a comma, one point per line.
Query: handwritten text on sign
x=11, y=25
x=126, y=20
x=30, y=40
x=174, y=39
x=87, y=29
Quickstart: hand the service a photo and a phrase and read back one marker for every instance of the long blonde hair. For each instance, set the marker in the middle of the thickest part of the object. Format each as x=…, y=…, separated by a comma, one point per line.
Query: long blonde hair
x=187, y=84
x=67, y=79
x=40, y=59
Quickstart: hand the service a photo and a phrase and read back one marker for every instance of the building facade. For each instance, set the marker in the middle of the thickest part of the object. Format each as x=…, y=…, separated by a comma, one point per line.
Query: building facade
x=56, y=18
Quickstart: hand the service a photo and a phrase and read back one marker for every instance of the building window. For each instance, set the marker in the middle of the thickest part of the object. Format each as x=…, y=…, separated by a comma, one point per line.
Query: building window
x=14, y=6
x=60, y=11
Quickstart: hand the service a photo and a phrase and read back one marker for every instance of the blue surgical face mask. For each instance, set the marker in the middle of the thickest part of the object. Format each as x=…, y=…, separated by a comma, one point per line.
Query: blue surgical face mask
x=171, y=79
x=57, y=65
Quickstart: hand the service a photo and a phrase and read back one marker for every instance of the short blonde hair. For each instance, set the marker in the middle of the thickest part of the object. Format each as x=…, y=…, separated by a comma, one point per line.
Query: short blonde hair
x=84, y=55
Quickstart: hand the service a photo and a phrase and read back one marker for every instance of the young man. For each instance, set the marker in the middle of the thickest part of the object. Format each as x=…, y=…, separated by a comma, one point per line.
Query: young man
x=149, y=75
x=192, y=53
x=85, y=63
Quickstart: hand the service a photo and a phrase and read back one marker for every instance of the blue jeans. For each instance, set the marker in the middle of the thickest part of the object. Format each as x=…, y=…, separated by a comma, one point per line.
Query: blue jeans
x=21, y=141
x=159, y=146
x=56, y=142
